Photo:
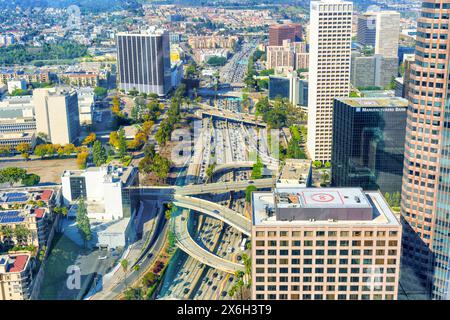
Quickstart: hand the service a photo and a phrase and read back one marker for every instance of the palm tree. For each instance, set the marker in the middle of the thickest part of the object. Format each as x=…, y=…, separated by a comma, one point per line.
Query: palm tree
x=124, y=265
x=6, y=233
x=22, y=234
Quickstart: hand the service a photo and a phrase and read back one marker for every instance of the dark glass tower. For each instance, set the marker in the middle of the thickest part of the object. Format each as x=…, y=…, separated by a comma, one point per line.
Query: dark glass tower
x=368, y=143
x=144, y=62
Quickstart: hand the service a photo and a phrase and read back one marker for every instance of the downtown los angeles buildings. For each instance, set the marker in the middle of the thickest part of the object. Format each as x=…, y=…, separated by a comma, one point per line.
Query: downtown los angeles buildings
x=329, y=70
x=280, y=32
x=144, y=61
x=426, y=185
x=368, y=143
x=324, y=244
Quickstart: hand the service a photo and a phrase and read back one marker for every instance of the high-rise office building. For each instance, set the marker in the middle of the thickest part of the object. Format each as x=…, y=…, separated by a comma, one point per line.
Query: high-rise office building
x=324, y=244
x=426, y=183
x=280, y=32
x=329, y=70
x=380, y=30
x=366, y=33
x=387, y=33
x=291, y=55
x=57, y=114
x=369, y=143
x=373, y=71
x=290, y=87
x=144, y=61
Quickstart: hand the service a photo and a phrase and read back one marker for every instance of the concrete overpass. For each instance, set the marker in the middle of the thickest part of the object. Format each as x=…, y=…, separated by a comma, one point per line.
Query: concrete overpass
x=222, y=187
x=168, y=192
x=215, y=210
x=184, y=241
x=237, y=165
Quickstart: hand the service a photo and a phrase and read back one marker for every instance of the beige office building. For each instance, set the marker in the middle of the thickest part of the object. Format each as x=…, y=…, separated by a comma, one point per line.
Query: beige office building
x=15, y=277
x=290, y=55
x=387, y=33
x=57, y=115
x=329, y=70
x=324, y=244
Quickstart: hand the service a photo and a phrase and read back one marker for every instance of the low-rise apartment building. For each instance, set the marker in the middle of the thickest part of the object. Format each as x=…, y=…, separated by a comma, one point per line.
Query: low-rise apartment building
x=16, y=277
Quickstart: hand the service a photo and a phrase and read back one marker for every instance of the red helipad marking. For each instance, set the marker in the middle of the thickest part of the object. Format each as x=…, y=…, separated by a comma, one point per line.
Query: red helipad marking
x=322, y=197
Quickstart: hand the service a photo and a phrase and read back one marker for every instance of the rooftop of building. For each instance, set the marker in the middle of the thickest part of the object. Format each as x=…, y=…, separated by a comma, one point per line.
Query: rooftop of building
x=13, y=263
x=55, y=91
x=375, y=102
x=17, y=135
x=19, y=205
x=284, y=25
x=151, y=31
x=319, y=200
x=111, y=173
x=295, y=170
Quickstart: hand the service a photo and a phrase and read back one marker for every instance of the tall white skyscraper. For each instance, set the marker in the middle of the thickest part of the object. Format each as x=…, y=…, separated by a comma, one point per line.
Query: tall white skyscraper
x=329, y=70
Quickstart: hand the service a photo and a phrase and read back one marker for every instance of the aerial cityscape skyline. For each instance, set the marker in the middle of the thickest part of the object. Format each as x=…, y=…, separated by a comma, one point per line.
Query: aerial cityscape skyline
x=224, y=150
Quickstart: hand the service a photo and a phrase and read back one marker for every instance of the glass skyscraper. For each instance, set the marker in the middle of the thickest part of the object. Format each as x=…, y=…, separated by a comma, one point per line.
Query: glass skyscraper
x=426, y=181
x=368, y=143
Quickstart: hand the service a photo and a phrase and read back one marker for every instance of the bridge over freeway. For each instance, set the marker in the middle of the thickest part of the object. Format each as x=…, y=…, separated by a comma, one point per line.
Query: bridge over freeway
x=167, y=193
x=236, y=165
x=184, y=241
x=215, y=210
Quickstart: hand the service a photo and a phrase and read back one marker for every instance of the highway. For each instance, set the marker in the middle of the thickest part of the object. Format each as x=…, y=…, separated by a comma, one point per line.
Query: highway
x=215, y=210
x=185, y=242
x=132, y=275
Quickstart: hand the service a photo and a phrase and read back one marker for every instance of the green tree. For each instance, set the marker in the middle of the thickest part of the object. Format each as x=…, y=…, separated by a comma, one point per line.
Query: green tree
x=24, y=149
x=317, y=164
x=210, y=172
x=122, y=143
x=21, y=233
x=20, y=92
x=83, y=225
x=161, y=166
x=248, y=193
x=124, y=264
x=100, y=92
x=98, y=154
x=12, y=175
x=257, y=171
x=31, y=180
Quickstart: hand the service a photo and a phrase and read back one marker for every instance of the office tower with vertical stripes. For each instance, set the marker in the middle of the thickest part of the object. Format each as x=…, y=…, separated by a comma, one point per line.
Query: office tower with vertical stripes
x=329, y=70
x=144, y=61
x=426, y=181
